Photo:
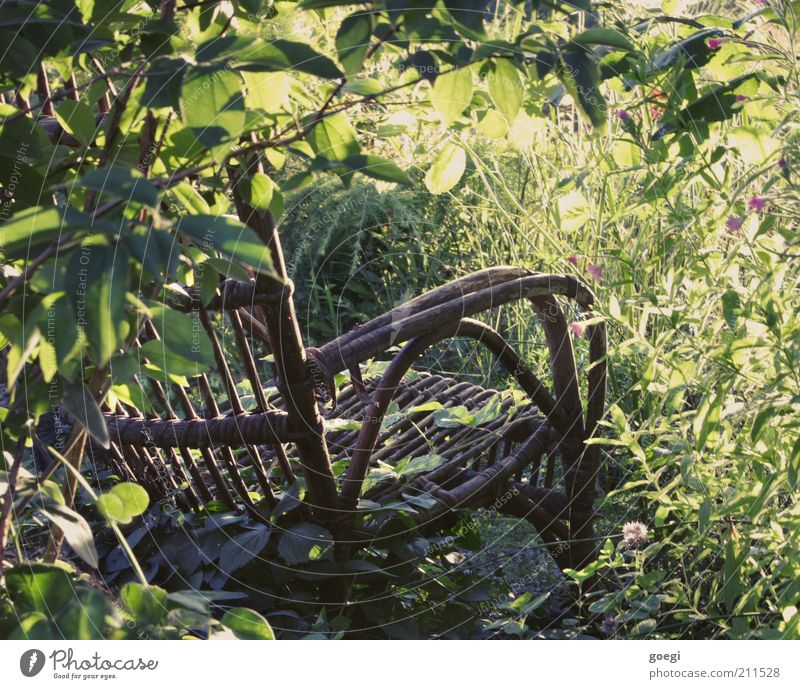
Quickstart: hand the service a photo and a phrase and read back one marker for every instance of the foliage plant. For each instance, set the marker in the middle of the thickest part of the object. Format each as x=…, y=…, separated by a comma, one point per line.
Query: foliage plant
x=397, y=143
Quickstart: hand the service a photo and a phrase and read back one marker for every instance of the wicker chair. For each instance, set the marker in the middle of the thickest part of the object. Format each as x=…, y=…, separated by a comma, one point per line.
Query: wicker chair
x=211, y=454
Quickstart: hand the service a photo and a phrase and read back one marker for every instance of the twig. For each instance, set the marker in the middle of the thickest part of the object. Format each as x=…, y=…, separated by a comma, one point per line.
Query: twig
x=8, y=501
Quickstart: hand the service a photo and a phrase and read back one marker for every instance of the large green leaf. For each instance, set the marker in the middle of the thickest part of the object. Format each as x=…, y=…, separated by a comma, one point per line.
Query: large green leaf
x=716, y=105
x=248, y=624
x=84, y=619
x=230, y=237
x=82, y=405
x=377, y=168
x=33, y=227
x=76, y=530
x=506, y=88
x=180, y=333
x=98, y=282
x=146, y=604
x=77, y=119
x=334, y=138
x=447, y=169
x=213, y=107
x=124, y=183
x=451, y=93
x=280, y=54
x=38, y=588
x=303, y=542
x=580, y=75
x=352, y=41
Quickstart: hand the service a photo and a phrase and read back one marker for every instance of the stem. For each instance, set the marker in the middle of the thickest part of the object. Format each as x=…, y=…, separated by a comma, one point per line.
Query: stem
x=79, y=478
x=8, y=501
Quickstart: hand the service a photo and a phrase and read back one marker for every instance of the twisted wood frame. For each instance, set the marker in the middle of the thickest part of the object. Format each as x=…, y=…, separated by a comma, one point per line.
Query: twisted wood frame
x=267, y=307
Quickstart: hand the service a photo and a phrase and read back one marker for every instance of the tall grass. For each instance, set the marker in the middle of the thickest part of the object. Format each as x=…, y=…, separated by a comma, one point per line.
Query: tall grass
x=693, y=251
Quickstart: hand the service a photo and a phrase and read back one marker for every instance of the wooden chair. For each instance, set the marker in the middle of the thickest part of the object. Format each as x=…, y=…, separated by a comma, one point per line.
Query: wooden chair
x=230, y=448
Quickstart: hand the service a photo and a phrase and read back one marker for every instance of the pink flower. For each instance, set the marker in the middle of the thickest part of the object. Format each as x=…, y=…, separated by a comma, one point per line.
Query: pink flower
x=624, y=115
x=594, y=271
x=576, y=329
x=573, y=260
x=741, y=99
x=714, y=43
x=733, y=224
x=783, y=164
x=756, y=204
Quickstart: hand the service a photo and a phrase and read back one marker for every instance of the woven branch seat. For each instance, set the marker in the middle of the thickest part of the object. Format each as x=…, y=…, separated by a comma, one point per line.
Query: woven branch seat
x=434, y=443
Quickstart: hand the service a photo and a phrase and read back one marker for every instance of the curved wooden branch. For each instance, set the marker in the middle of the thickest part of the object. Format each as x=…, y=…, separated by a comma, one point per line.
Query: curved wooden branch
x=263, y=428
x=373, y=417
x=376, y=337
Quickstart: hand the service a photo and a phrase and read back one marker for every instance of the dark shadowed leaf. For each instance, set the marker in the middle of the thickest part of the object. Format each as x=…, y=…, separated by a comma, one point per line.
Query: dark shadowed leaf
x=82, y=405
x=124, y=183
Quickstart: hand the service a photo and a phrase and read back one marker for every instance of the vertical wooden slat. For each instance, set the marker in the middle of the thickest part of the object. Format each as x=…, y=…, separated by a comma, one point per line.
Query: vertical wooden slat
x=236, y=405
x=293, y=376
x=262, y=404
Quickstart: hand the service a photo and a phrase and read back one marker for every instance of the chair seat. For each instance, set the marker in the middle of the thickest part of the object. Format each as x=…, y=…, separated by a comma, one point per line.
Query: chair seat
x=434, y=426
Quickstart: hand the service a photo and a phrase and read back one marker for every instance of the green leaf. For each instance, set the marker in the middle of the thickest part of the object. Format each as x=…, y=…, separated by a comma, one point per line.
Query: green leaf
x=377, y=168
x=212, y=106
x=279, y=54
x=124, y=183
x=451, y=93
x=600, y=36
x=334, y=138
x=241, y=549
x=112, y=508
x=693, y=51
x=77, y=119
x=581, y=76
x=98, y=276
x=33, y=227
x=304, y=542
x=134, y=498
x=83, y=406
x=433, y=405
x=248, y=624
x=180, y=334
x=408, y=468
x=731, y=303
x=493, y=125
x=447, y=169
x=86, y=8
x=506, y=88
x=716, y=105
x=704, y=515
x=28, y=194
x=257, y=190
x=39, y=588
x=230, y=237
x=84, y=619
x=267, y=91
x=35, y=626
x=146, y=604
x=352, y=41
x=75, y=529
x=468, y=15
